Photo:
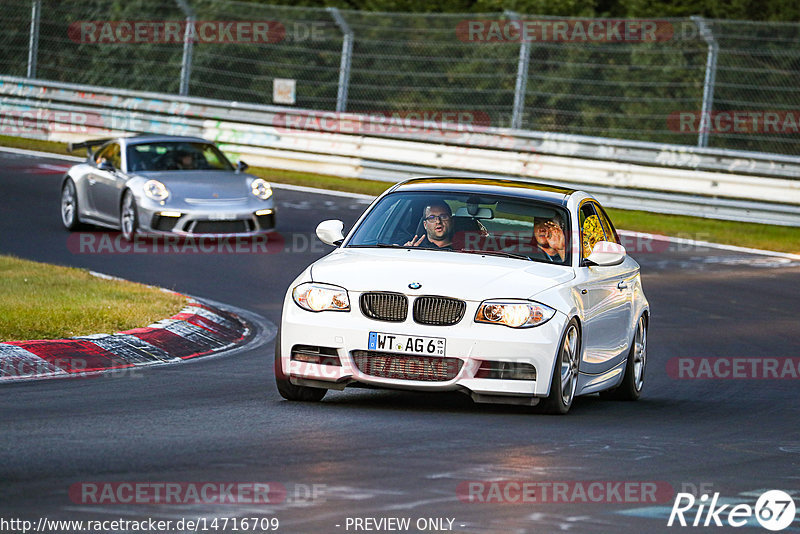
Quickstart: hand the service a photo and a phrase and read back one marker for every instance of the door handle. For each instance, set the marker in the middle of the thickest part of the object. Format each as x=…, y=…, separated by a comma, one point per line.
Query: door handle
x=92, y=181
x=622, y=285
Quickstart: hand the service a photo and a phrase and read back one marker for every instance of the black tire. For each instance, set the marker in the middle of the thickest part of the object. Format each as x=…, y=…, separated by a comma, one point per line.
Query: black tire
x=565, y=371
x=288, y=390
x=630, y=389
x=128, y=216
x=69, y=206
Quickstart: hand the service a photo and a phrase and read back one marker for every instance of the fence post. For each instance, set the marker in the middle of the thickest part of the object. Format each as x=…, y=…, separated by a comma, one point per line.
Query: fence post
x=710, y=80
x=33, y=44
x=522, y=76
x=188, y=44
x=344, y=65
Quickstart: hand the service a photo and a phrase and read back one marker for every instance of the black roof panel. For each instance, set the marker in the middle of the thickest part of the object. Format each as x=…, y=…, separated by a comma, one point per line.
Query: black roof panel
x=517, y=188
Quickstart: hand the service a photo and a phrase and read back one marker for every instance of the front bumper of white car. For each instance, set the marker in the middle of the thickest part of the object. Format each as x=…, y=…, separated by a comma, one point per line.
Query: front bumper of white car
x=341, y=342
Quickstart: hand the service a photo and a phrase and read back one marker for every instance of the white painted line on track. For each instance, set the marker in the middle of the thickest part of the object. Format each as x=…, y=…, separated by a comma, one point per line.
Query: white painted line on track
x=318, y=191
x=329, y=192
x=708, y=244
x=37, y=153
x=48, y=167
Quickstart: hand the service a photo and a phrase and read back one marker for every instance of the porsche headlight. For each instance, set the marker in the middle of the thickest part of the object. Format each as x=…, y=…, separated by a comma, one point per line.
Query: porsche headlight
x=261, y=188
x=155, y=190
x=516, y=314
x=316, y=297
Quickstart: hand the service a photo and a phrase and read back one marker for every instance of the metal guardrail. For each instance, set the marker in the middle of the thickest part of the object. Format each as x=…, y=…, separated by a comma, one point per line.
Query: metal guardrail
x=675, y=156
x=627, y=174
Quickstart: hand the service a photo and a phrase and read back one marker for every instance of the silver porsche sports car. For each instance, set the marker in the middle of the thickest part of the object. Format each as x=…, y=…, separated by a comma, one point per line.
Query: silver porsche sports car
x=164, y=184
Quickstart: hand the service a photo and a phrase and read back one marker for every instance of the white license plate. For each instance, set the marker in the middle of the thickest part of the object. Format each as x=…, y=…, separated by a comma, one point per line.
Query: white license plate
x=222, y=217
x=431, y=346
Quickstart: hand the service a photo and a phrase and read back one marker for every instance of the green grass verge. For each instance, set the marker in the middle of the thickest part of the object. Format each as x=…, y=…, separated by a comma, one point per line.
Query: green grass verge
x=36, y=144
x=350, y=185
x=40, y=301
x=762, y=236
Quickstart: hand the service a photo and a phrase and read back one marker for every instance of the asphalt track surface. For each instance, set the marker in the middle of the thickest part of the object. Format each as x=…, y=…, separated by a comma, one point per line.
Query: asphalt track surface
x=381, y=454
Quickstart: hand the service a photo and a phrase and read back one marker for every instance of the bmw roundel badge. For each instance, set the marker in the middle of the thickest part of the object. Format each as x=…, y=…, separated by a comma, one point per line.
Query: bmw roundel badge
x=414, y=285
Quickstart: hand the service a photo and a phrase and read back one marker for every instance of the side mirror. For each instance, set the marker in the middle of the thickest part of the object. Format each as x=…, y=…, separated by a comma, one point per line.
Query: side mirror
x=605, y=254
x=241, y=166
x=330, y=232
x=104, y=165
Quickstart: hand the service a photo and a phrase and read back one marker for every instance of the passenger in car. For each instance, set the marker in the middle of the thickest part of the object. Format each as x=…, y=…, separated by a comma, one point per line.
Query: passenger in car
x=556, y=238
x=550, y=238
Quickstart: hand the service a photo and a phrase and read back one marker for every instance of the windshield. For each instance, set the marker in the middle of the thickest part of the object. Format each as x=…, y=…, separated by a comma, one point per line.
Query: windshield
x=467, y=223
x=176, y=156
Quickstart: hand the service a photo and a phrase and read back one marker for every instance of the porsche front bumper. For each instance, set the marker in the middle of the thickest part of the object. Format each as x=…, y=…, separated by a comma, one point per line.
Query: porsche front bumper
x=216, y=218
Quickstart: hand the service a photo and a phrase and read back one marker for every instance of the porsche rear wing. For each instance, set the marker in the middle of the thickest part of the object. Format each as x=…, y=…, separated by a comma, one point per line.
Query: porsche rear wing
x=88, y=145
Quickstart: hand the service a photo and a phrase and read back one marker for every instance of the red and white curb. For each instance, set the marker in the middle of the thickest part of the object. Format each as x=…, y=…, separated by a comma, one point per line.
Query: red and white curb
x=197, y=330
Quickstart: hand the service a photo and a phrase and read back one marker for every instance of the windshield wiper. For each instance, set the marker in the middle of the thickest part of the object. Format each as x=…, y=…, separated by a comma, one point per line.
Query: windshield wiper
x=377, y=245
x=395, y=245
x=498, y=253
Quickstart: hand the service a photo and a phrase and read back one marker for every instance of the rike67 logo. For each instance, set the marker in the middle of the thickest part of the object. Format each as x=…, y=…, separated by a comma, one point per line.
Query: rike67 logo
x=774, y=510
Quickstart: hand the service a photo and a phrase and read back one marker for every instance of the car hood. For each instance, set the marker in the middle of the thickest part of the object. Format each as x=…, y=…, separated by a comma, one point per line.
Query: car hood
x=202, y=184
x=466, y=276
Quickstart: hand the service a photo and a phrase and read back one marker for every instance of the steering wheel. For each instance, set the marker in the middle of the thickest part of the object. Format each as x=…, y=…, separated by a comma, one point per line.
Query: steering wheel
x=166, y=162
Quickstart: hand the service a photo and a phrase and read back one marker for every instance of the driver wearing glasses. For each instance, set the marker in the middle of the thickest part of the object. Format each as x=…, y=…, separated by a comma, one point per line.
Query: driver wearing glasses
x=438, y=225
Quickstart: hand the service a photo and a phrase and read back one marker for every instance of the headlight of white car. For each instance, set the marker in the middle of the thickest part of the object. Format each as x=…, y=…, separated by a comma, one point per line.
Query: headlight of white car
x=261, y=188
x=155, y=190
x=317, y=297
x=516, y=314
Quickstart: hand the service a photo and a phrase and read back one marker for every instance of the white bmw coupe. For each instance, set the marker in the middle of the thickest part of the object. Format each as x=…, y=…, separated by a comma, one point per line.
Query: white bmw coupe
x=511, y=292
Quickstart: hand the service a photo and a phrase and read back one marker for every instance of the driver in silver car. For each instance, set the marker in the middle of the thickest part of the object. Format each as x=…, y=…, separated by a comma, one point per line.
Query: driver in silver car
x=185, y=160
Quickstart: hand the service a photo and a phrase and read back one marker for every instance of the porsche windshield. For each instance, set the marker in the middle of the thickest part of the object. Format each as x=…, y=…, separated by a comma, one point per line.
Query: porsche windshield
x=176, y=156
x=468, y=223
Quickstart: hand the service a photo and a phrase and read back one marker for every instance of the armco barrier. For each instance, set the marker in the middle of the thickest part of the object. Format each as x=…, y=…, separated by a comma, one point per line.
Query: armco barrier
x=635, y=175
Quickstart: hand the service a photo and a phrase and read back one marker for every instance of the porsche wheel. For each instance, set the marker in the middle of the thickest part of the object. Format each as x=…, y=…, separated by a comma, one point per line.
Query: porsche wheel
x=565, y=372
x=128, y=218
x=69, y=206
x=288, y=390
x=633, y=382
